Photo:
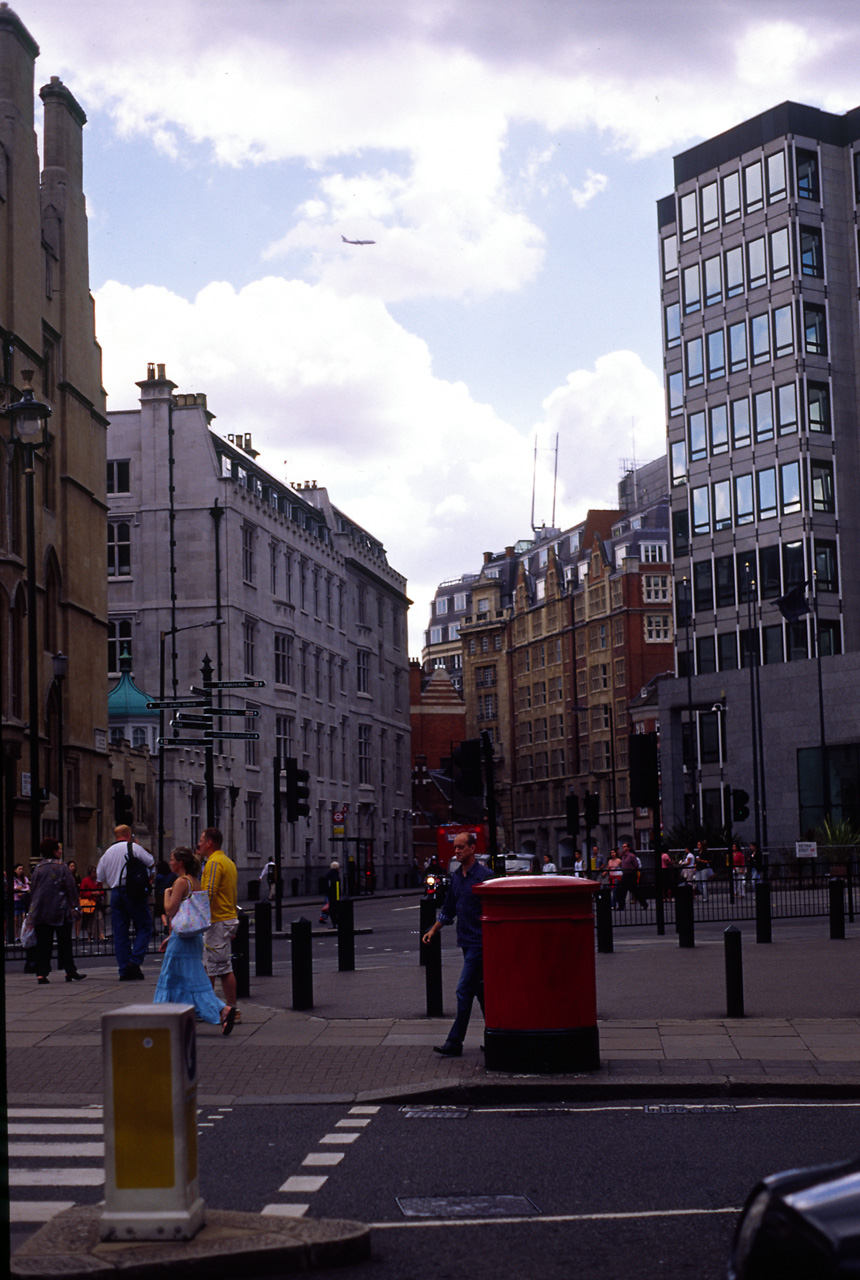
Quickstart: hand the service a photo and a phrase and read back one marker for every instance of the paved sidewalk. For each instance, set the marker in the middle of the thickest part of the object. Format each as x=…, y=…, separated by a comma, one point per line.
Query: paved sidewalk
x=661, y=1013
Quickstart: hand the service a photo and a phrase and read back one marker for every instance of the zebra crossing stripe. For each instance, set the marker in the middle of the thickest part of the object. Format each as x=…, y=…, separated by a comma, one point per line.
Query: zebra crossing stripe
x=37, y=1210
x=56, y=1177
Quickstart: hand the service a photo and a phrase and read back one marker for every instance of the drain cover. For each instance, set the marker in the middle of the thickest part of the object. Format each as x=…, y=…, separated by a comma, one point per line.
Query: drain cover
x=682, y=1109
x=435, y=1113
x=467, y=1207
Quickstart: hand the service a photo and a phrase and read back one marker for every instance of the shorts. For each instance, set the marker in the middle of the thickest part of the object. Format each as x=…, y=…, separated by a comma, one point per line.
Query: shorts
x=217, y=954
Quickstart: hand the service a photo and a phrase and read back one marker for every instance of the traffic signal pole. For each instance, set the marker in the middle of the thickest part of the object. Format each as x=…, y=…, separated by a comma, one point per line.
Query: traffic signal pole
x=487, y=748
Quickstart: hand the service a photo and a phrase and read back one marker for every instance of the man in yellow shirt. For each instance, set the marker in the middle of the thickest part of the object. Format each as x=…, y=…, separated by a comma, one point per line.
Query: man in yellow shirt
x=220, y=880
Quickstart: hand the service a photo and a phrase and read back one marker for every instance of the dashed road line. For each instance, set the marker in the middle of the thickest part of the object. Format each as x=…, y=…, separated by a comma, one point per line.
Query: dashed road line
x=347, y=1131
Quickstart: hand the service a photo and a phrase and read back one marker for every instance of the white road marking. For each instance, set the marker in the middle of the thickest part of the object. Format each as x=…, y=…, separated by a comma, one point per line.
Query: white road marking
x=417, y=907
x=323, y=1158
x=57, y=1150
x=336, y=1139
x=364, y=1111
x=304, y=1183
x=55, y=1130
x=545, y=1218
x=56, y=1177
x=738, y=1105
x=285, y=1210
x=55, y=1113
x=37, y=1210
x=351, y=1124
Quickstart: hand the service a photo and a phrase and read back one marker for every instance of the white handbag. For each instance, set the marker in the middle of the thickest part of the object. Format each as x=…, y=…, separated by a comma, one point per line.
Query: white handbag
x=193, y=915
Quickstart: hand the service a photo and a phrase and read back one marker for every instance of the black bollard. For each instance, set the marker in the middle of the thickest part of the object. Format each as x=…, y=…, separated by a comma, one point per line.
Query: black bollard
x=734, y=972
x=603, y=912
x=684, y=921
x=433, y=974
x=263, y=939
x=837, y=908
x=301, y=955
x=345, y=936
x=426, y=919
x=763, y=931
x=242, y=957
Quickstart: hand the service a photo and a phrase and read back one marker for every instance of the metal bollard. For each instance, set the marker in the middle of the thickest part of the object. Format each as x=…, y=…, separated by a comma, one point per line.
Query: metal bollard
x=734, y=972
x=426, y=919
x=837, y=908
x=242, y=957
x=301, y=955
x=433, y=975
x=263, y=940
x=346, y=936
x=684, y=919
x=763, y=930
x=603, y=912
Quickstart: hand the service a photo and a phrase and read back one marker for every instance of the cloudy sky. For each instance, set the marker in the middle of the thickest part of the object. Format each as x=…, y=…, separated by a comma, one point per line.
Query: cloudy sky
x=504, y=155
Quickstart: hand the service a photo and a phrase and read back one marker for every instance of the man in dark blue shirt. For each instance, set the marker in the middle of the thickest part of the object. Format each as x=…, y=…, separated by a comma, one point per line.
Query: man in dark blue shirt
x=462, y=905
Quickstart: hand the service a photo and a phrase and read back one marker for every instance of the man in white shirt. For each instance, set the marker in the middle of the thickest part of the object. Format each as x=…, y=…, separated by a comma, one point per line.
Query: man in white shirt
x=128, y=910
x=549, y=867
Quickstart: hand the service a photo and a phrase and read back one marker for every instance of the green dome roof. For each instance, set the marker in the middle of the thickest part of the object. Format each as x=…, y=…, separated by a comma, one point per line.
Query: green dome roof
x=125, y=700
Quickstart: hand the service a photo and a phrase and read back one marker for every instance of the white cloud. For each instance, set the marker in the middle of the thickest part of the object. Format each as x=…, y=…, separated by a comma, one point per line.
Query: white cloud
x=592, y=186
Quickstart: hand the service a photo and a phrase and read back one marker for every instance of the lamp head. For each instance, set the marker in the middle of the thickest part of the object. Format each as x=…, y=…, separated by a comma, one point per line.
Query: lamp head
x=27, y=414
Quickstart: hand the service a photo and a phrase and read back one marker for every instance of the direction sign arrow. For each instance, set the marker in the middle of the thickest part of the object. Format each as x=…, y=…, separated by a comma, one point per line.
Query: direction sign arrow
x=229, y=684
x=182, y=742
x=214, y=733
x=170, y=704
x=192, y=722
x=235, y=711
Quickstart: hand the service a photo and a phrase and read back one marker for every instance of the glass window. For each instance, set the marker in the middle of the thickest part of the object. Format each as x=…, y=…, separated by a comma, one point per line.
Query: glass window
x=442, y=605
x=703, y=586
x=727, y=644
x=731, y=197
x=710, y=206
x=756, y=263
x=760, y=338
x=763, y=410
x=798, y=642
x=821, y=474
x=679, y=462
x=734, y=272
x=719, y=429
x=737, y=347
x=818, y=405
x=783, y=331
x=670, y=257
x=744, y=513
x=119, y=549
x=768, y=570
x=118, y=476
x=786, y=408
x=772, y=644
x=746, y=576
x=673, y=324
x=815, y=329
x=701, y=510
x=792, y=564
x=680, y=533
x=724, y=580
x=706, y=656
x=775, y=176
x=806, y=163
x=826, y=571
x=716, y=354
x=749, y=648
x=692, y=291
x=713, y=280
x=740, y=422
x=829, y=638
x=695, y=368
x=676, y=392
x=689, y=221
x=753, y=198
x=722, y=504
x=780, y=262
x=698, y=439
x=811, y=252
x=789, y=487
x=765, y=483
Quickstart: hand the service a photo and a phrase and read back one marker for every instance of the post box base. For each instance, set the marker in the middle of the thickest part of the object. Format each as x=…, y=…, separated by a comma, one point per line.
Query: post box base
x=542, y=1052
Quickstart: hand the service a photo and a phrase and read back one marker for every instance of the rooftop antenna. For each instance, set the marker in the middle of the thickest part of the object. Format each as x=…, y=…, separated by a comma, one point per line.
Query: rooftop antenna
x=534, y=478
x=554, y=480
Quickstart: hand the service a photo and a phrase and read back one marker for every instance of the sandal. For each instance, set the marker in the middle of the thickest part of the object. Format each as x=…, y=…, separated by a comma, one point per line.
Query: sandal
x=228, y=1021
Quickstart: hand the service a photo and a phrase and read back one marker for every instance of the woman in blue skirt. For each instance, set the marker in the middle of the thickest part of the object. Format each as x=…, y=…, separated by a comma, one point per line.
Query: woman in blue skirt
x=183, y=980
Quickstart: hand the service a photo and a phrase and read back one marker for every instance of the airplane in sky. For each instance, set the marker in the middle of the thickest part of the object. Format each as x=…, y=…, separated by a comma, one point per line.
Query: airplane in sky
x=344, y=239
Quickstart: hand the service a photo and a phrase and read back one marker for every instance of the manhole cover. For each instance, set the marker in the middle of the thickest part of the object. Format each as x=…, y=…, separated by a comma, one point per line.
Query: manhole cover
x=684, y=1109
x=435, y=1113
x=467, y=1207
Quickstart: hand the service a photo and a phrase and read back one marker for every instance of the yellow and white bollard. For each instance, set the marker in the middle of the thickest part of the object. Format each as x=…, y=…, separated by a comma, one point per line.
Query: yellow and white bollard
x=152, y=1192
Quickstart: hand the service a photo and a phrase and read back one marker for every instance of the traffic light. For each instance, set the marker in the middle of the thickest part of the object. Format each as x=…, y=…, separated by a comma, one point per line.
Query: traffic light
x=123, y=806
x=468, y=775
x=591, y=804
x=572, y=804
x=740, y=804
x=298, y=790
x=644, y=775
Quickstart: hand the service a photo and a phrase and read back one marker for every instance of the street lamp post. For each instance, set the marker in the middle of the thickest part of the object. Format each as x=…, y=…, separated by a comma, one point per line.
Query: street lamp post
x=61, y=666
x=28, y=419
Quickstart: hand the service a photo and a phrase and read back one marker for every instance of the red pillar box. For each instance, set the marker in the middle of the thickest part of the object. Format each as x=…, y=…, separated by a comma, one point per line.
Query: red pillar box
x=539, y=981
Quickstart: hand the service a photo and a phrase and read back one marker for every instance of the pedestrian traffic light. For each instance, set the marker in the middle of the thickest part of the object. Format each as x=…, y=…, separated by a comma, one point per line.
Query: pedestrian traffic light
x=123, y=806
x=740, y=804
x=468, y=775
x=572, y=815
x=298, y=790
x=591, y=804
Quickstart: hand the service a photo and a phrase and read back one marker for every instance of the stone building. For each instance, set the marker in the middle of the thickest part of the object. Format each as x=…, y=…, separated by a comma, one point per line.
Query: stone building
x=47, y=326
x=209, y=556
